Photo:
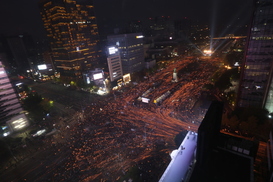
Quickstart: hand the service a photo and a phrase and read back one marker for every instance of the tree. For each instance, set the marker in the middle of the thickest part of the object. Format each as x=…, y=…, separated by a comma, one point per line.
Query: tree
x=233, y=57
x=46, y=104
x=251, y=121
x=208, y=86
x=32, y=100
x=223, y=81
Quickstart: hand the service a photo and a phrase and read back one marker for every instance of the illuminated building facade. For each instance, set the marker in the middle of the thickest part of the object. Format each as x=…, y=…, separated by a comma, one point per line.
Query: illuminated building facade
x=11, y=116
x=114, y=64
x=73, y=35
x=131, y=51
x=256, y=84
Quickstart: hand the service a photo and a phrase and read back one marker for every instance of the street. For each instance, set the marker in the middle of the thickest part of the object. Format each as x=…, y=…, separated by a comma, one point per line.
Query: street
x=109, y=135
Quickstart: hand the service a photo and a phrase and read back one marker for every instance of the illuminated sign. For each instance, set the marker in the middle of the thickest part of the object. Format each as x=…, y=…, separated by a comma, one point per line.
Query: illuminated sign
x=139, y=36
x=127, y=78
x=145, y=100
x=112, y=50
x=97, y=76
x=2, y=72
x=42, y=67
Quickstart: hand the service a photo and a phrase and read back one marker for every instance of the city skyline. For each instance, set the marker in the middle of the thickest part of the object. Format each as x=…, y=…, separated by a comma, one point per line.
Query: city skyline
x=172, y=94
x=25, y=16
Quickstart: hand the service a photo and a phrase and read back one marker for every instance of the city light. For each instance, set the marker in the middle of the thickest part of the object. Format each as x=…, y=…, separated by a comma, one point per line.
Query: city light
x=97, y=76
x=112, y=50
x=42, y=67
x=127, y=78
x=6, y=133
x=19, y=123
x=139, y=36
x=40, y=132
x=208, y=52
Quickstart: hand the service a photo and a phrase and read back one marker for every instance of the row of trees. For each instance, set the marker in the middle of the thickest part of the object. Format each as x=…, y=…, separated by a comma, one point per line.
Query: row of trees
x=36, y=105
x=250, y=122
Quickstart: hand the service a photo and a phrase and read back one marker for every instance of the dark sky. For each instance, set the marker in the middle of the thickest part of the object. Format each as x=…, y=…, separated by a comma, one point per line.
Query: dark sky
x=17, y=16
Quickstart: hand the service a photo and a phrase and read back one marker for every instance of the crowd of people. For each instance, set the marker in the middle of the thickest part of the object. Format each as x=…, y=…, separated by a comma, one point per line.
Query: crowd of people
x=107, y=139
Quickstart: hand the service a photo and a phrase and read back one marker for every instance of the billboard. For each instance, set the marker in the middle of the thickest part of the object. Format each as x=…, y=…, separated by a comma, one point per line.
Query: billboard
x=97, y=76
x=42, y=67
x=112, y=50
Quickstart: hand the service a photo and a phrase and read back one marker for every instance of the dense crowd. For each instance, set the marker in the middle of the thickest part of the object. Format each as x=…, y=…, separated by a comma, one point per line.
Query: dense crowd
x=107, y=139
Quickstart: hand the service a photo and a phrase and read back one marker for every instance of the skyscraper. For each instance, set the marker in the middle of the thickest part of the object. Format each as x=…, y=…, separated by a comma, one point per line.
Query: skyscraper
x=256, y=84
x=21, y=51
x=131, y=51
x=11, y=116
x=73, y=35
x=114, y=64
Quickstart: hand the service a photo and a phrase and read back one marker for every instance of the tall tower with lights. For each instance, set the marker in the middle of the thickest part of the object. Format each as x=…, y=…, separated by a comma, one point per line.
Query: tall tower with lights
x=256, y=84
x=12, y=117
x=114, y=63
x=73, y=35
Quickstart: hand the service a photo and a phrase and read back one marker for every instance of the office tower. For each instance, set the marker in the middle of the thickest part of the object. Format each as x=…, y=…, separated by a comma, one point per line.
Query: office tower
x=23, y=52
x=256, y=84
x=11, y=116
x=73, y=35
x=131, y=51
x=114, y=64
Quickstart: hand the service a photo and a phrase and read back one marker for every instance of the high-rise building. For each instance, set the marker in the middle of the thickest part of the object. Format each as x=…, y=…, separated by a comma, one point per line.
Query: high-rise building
x=23, y=53
x=73, y=35
x=256, y=84
x=11, y=116
x=131, y=51
x=22, y=49
x=114, y=64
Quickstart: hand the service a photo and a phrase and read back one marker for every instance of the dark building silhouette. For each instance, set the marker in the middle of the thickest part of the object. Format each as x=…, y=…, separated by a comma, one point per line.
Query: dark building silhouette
x=256, y=88
x=21, y=52
x=182, y=28
x=222, y=157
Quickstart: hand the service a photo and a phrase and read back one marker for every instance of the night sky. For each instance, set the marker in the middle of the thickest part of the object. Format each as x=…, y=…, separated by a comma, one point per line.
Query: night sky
x=18, y=16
